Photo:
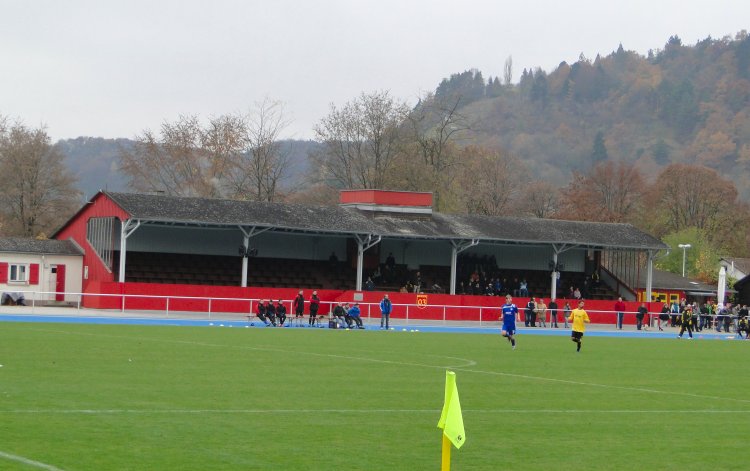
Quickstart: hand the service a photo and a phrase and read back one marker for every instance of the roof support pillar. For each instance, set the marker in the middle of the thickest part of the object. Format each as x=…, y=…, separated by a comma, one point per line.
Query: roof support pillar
x=458, y=247
x=126, y=230
x=556, y=250
x=363, y=244
x=246, y=234
x=649, y=274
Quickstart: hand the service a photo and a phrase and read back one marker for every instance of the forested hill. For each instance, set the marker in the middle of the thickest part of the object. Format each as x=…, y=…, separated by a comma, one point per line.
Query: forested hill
x=683, y=103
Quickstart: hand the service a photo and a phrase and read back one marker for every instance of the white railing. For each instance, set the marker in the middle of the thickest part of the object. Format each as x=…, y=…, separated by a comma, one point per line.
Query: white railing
x=407, y=313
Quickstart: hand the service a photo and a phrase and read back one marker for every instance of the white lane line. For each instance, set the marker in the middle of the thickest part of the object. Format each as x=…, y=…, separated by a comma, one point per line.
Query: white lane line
x=362, y=411
x=604, y=386
x=21, y=459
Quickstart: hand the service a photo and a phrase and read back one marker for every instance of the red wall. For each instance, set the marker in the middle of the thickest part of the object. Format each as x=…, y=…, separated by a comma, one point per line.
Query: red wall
x=383, y=197
x=100, y=206
x=244, y=300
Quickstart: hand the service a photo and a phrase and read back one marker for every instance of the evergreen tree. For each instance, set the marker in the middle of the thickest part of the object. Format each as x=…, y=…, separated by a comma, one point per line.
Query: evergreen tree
x=599, y=150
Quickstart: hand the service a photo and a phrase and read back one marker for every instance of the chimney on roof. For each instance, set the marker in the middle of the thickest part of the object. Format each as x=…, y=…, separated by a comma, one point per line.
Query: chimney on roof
x=412, y=205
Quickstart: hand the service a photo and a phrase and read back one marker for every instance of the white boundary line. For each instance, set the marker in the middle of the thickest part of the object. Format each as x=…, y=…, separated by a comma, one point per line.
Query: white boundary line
x=21, y=459
x=360, y=411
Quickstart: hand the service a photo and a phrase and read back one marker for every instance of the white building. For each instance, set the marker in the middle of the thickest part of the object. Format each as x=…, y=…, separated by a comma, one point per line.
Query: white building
x=40, y=270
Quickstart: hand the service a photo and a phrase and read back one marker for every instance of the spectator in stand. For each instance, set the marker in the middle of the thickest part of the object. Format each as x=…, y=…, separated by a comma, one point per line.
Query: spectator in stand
x=489, y=290
x=541, y=312
x=577, y=294
x=390, y=269
x=299, y=305
x=620, y=310
x=523, y=288
x=376, y=275
x=418, y=282
x=528, y=319
x=552, y=306
x=390, y=261
x=515, y=286
x=369, y=284
x=314, y=306
x=280, y=312
x=333, y=261
x=385, y=311
x=354, y=315
x=461, y=288
x=595, y=280
x=571, y=292
x=642, y=311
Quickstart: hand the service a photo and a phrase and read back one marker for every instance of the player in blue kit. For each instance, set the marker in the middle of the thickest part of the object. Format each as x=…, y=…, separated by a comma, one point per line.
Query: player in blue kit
x=510, y=313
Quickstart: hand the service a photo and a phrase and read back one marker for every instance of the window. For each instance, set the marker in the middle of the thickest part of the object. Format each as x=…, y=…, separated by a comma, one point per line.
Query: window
x=18, y=273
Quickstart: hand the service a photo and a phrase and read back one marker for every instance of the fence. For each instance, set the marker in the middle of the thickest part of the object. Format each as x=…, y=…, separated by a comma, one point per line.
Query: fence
x=214, y=307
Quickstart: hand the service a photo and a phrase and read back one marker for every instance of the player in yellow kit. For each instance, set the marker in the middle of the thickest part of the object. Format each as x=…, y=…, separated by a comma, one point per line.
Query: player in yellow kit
x=578, y=318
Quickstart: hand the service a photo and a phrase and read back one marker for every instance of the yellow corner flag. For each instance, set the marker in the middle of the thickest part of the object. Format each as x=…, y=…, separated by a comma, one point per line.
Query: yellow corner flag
x=451, y=419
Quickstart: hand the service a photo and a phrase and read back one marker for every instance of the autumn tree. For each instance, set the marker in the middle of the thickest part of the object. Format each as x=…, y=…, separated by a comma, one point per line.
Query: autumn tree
x=539, y=199
x=436, y=126
x=361, y=141
x=184, y=159
x=38, y=190
x=610, y=192
x=491, y=181
x=693, y=196
x=257, y=171
x=230, y=156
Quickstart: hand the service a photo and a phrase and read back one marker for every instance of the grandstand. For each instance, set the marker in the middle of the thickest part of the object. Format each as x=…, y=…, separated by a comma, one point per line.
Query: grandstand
x=157, y=240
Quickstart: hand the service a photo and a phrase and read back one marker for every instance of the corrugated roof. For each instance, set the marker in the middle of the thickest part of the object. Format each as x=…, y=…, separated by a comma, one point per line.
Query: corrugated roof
x=672, y=281
x=338, y=219
x=34, y=246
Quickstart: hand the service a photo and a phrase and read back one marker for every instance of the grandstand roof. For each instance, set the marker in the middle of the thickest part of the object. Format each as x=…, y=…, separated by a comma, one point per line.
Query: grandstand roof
x=35, y=246
x=205, y=212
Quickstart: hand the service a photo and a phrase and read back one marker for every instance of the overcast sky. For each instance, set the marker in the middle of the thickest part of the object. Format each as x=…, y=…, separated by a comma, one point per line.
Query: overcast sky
x=114, y=68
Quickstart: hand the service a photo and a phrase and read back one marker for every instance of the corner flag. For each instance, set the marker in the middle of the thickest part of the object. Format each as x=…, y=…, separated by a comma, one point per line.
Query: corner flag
x=451, y=419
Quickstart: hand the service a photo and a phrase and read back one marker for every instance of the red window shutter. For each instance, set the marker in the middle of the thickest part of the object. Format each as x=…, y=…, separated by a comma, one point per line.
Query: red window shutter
x=34, y=274
x=3, y=272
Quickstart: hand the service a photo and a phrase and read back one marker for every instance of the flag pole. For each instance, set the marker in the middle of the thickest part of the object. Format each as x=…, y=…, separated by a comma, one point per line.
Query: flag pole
x=446, y=461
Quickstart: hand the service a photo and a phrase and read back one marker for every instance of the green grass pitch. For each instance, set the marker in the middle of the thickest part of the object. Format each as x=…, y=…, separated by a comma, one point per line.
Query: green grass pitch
x=103, y=397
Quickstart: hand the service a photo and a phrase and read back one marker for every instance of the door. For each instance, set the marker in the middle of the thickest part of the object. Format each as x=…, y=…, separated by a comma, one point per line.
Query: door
x=52, y=282
x=60, y=283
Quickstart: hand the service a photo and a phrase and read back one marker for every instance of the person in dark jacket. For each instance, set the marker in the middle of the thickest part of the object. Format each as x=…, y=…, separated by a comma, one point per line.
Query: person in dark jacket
x=529, y=316
x=280, y=313
x=314, y=305
x=339, y=315
x=299, y=305
x=642, y=311
x=271, y=312
x=262, y=314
